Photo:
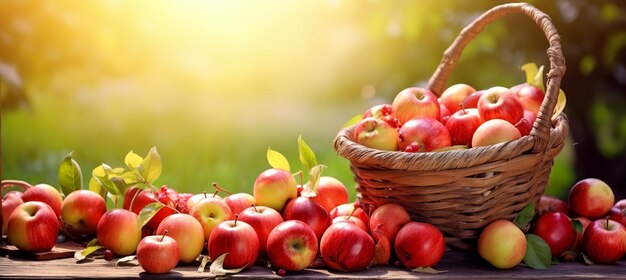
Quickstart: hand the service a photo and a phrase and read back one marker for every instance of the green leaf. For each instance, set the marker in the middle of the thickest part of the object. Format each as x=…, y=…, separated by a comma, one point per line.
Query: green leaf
x=217, y=267
x=205, y=260
x=125, y=260
x=133, y=161
x=354, y=120
x=525, y=216
x=93, y=242
x=102, y=174
x=578, y=226
x=428, y=269
x=277, y=160
x=307, y=156
x=70, y=176
x=152, y=166
x=310, y=189
x=97, y=187
x=81, y=255
x=538, y=255
x=147, y=212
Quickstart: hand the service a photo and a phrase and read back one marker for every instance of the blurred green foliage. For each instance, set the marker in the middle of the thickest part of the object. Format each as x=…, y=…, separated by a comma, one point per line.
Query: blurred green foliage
x=212, y=84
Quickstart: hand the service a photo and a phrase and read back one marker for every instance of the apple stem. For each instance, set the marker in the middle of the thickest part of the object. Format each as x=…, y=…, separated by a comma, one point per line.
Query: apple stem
x=607, y=221
x=216, y=186
x=204, y=194
x=463, y=108
x=163, y=236
x=351, y=212
x=17, y=183
x=214, y=194
x=236, y=218
x=254, y=206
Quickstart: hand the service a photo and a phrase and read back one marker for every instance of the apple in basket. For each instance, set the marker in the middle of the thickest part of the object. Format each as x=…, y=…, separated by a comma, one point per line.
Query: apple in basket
x=529, y=96
x=494, y=131
x=423, y=135
x=415, y=102
x=462, y=125
x=500, y=103
x=383, y=112
x=376, y=134
x=452, y=98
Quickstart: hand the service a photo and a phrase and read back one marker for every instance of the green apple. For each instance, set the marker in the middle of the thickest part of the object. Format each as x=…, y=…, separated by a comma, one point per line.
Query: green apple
x=274, y=188
x=502, y=244
x=210, y=211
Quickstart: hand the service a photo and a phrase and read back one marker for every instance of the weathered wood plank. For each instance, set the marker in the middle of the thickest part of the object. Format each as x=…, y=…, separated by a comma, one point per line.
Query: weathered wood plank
x=459, y=266
x=60, y=251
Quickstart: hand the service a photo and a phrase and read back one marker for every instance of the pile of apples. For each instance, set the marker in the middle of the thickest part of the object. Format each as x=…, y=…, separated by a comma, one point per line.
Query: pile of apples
x=591, y=226
x=418, y=121
x=281, y=224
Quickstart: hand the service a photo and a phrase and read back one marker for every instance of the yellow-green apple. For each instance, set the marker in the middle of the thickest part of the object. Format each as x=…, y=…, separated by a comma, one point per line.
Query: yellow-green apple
x=557, y=230
x=345, y=247
x=292, y=246
x=383, y=112
x=419, y=245
x=502, y=244
x=578, y=244
x=262, y=219
x=194, y=199
x=239, y=201
x=376, y=134
x=330, y=193
x=591, y=198
x=187, y=232
x=604, y=241
x=349, y=209
x=210, y=211
x=494, y=131
x=10, y=201
x=389, y=219
x=118, y=231
x=81, y=211
x=453, y=96
x=46, y=194
x=529, y=96
x=274, y=187
x=471, y=101
x=550, y=203
x=158, y=254
x=525, y=125
x=33, y=226
x=500, y=103
x=423, y=135
x=415, y=102
x=462, y=125
x=236, y=238
x=310, y=212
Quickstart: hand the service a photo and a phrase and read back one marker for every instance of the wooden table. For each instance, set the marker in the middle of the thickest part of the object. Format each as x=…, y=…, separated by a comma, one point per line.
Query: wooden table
x=458, y=264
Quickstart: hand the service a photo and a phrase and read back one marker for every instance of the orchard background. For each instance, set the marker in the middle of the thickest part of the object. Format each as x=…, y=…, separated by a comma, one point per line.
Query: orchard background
x=212, y=84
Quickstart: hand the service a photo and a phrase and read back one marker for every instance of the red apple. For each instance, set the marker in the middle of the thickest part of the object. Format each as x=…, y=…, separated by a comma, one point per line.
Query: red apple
x=617, y=215
x=165, y=195
x=187, y=232
x=549, y=203
x=81, y=211
x=383, y=112
x=604, y=241
x=118, y=231
x=308, y=211
x=292, y=246
x=391, y=217
x=10, y=201
x=330, y=193
x=423, y=135
x=454, y=96
x=236, y=238
x=46, y=194
x=345, y=247
x=529, y=96
x=525, y=125
x=158, y=254
x=415, y=102
x=274, y=187
x=346, y=209
x=419, y=245
x=376, y=134
x=493, y=132
x=351, y=219
x=210, y=212
x=262, y=219
x=591, y=198
x=33, y=226
x=471, y=101
x=557, y=230
x=621, y=204
x=462, y=125
x=502, y=244
x=130, y=195
x=444, y=114
x=578, y=245
x=500, y=103
x=239, y=201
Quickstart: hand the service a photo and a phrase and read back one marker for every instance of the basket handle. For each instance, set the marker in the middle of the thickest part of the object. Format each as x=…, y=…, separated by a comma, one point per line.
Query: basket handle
x=541, y=127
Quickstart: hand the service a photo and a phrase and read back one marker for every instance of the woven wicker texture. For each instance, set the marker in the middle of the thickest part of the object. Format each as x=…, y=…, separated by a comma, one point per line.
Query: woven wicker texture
x=462, y=191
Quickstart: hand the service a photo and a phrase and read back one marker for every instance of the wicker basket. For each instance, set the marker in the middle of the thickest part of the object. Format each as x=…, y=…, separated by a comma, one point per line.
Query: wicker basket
x=462, y=191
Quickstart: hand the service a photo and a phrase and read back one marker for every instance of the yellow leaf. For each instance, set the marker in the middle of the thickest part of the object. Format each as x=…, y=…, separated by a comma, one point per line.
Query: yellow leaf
x=217, y=267
x=560, y=104
x=277, y=160
x=152, y=166
x=133, y=161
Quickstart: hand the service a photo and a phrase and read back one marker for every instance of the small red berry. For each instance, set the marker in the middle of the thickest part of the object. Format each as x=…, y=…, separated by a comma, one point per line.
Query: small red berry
x=281, y=272
x=108, y=255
